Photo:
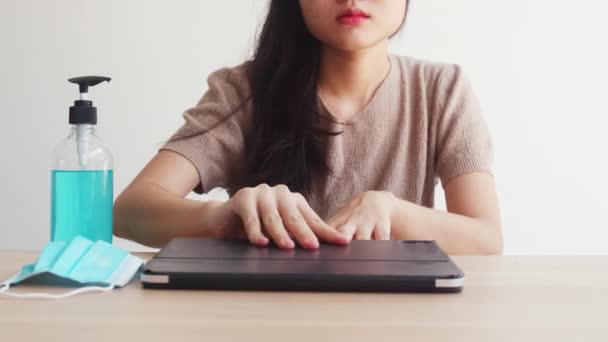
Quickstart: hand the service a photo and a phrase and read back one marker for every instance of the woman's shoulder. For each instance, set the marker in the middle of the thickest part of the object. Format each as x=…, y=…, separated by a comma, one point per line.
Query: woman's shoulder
x=232, y=79
x=428, y=71
x=228, y=93
x=226, y=100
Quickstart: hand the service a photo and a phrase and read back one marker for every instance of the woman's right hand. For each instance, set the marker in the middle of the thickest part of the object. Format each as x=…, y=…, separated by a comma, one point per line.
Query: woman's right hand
x=272, y=212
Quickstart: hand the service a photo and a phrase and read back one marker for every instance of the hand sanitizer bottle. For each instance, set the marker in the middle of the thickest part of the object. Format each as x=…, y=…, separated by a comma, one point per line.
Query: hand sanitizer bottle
x=82, y=191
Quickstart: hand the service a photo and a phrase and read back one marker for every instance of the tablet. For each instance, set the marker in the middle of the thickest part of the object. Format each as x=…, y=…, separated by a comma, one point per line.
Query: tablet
x=376, y=266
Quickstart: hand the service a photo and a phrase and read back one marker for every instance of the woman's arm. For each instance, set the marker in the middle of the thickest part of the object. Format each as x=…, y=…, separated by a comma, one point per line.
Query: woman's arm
x=471, y=225
x=152, y=209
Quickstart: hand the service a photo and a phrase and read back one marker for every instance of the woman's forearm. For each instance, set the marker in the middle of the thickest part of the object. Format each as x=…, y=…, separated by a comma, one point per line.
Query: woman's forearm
x=150, y=215
x=456, y=234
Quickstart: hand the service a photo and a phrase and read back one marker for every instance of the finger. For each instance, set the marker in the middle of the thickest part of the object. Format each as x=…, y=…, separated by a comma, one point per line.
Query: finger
x=339, y=218
x=341, y=215
x=348, y=230
x=364, y=231
x=245, y=207
x=321, y=229
x=271, y=219
x=294, y=222
x=382, y=231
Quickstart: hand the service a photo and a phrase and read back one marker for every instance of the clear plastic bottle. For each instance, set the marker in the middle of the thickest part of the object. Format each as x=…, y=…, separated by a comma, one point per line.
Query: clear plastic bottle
x=82, y=180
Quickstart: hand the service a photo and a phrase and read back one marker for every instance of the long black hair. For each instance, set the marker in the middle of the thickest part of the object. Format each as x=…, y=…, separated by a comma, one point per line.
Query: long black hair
x=286, y=143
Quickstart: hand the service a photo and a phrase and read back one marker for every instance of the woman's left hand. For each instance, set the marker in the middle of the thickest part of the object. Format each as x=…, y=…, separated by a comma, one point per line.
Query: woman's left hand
x=366, y=217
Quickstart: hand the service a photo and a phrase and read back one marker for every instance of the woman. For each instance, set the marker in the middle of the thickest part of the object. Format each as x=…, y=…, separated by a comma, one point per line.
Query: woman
x=324, y=136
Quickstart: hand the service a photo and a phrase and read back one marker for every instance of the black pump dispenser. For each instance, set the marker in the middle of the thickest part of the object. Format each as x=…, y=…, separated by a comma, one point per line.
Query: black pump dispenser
x=83, y=111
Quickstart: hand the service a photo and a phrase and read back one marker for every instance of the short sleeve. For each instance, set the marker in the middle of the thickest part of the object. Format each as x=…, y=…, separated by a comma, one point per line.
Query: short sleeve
x=463, y=143
x=212, y=137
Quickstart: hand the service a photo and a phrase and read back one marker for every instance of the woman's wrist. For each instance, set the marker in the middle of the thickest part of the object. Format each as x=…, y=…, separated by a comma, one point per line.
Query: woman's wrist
x=394, y=205
x=206, y=213
x=401, y=222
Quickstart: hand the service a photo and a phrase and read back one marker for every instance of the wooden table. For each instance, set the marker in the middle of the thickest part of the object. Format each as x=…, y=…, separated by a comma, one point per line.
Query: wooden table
x=505, y=299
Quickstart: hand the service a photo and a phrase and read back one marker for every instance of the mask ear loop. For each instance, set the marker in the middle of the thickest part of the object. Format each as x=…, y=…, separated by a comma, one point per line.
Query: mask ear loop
x=4, y=290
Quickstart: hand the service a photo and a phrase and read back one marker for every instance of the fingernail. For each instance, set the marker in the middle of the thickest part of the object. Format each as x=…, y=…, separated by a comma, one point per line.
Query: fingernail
x=312, y=243
x=287, y=244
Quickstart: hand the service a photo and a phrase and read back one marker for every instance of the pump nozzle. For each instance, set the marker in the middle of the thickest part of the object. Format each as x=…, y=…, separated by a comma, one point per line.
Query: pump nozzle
x=83, y=114
x=84, y=82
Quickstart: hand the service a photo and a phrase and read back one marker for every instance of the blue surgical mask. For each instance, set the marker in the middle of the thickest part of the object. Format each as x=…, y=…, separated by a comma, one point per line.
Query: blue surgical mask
x=97, y=266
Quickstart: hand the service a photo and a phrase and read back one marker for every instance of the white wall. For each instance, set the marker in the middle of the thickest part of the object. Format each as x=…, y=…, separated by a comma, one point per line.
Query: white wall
x=538, y=66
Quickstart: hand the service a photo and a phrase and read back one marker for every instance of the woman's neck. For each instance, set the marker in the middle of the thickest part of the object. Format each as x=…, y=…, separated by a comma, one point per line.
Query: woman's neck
x=348, y=80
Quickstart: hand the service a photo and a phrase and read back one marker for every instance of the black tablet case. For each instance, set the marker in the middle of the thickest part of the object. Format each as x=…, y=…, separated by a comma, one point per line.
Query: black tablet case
x=378, y=266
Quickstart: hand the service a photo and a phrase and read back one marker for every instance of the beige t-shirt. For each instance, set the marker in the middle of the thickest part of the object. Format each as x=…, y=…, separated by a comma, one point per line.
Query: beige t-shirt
x=423, y=124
